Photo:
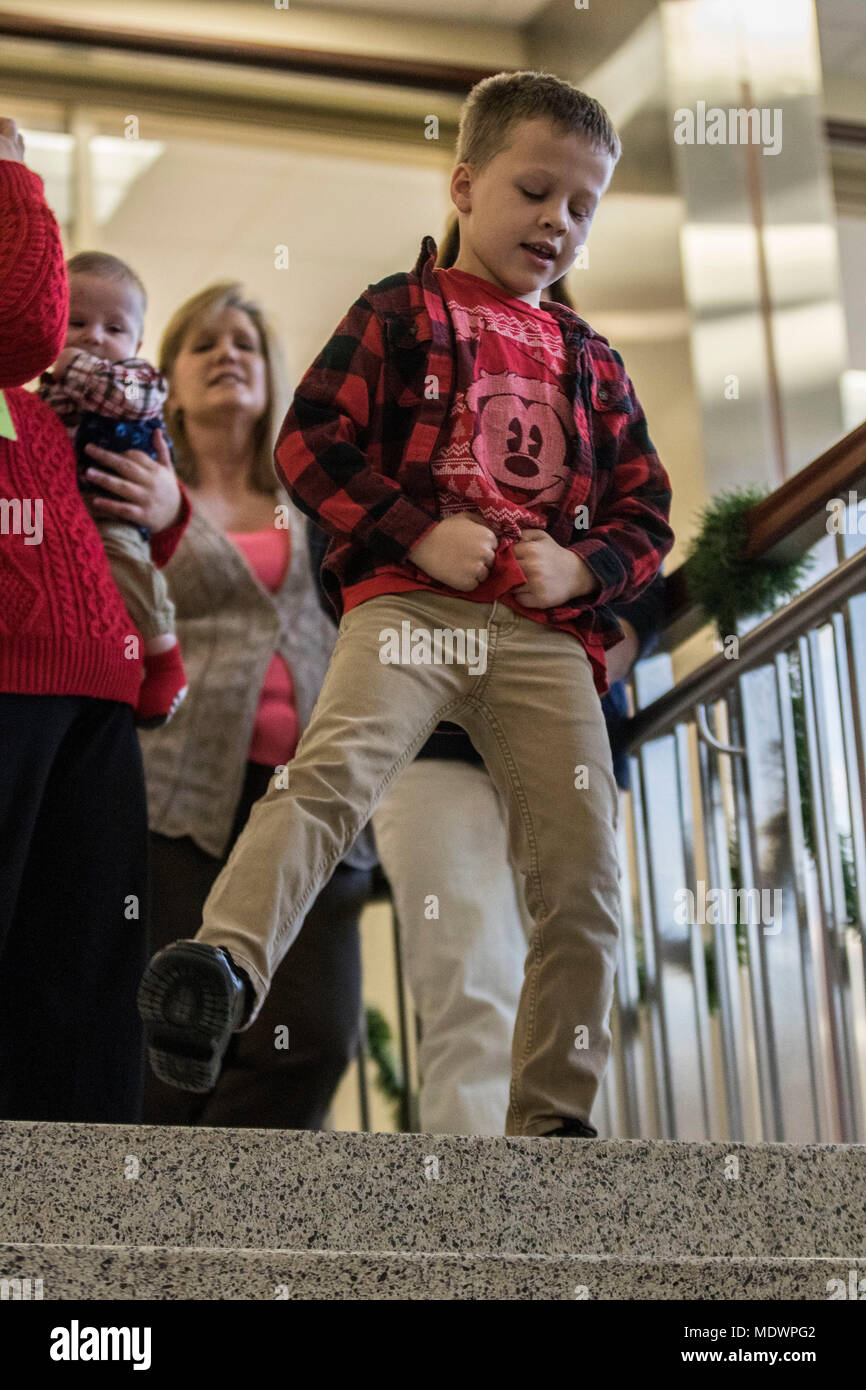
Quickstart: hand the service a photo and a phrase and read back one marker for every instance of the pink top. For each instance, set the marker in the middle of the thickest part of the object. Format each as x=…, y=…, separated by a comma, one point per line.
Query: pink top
x=276, y=730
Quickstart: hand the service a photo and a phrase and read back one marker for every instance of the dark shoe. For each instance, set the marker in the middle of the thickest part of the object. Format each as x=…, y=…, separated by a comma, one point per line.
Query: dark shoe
x=572, y=1129
x=192, y=997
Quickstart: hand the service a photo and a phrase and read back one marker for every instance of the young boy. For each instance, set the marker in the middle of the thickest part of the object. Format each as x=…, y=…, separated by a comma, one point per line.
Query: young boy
x=106, y=395
x=484, y=469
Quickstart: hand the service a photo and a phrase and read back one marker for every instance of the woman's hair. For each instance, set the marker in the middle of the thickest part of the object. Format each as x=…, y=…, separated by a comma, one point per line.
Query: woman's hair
x=496, y=104
x=227, y=295
x=449, y=250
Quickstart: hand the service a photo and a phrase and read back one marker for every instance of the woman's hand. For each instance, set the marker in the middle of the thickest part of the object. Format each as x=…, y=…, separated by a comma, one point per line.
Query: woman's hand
x=148, y=487
x=622, y=657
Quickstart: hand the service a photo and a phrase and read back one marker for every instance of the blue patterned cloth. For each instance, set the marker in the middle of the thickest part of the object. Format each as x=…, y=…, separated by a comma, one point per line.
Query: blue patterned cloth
x=118, y=436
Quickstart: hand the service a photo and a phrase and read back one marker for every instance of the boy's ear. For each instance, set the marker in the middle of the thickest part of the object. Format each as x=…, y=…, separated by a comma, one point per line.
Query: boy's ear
x=461, y=188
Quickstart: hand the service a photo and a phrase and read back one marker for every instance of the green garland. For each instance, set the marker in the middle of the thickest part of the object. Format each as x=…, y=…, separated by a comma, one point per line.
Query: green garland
x=389, y=1081
x=724, y=585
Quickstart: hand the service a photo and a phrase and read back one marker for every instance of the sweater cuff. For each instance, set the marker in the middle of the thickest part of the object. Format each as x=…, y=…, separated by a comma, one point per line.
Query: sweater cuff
x=15, y=177
x=165, y=543
x=601, y=560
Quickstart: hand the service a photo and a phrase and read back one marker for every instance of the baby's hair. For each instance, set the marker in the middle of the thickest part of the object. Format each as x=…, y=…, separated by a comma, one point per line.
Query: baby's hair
x=112, y=267
x=498, y=103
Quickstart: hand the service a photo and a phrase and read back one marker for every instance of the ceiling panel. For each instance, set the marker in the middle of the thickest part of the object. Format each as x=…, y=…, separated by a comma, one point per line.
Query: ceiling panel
x=503, y=12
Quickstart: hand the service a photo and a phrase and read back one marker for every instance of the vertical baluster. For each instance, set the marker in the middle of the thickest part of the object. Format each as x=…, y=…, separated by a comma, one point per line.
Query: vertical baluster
x=854, y=703
x=683, y=1094
x=725, y=937
x=826, y=866
x=779, y=942
x=406, y=1124
x=855, y=785
x=762, y=1023
x=833, y=910
x=796, y=837
x=658, y=1072
x=700, y=997
x=363, y=1089
x=633, y=1114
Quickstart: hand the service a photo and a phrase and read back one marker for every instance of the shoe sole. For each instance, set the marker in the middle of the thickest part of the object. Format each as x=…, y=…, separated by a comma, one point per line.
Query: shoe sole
x=185, y=1000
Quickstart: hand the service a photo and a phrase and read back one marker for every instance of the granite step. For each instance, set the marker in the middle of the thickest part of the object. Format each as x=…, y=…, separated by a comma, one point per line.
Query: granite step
x=171, y=1273
x=109, y=1186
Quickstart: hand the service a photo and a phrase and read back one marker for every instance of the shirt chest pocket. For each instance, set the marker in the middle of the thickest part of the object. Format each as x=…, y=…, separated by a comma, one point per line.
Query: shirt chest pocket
x=612, y=409
x=406, y=356
x=610, y=397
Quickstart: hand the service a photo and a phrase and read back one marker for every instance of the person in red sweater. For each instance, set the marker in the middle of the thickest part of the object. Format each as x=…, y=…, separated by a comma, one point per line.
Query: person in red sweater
x=106, y=394
x=73, y=823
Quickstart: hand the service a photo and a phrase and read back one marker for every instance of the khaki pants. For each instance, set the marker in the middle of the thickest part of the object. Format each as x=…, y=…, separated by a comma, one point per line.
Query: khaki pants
x=142, y=586
x=465, y=967
x=535, y=717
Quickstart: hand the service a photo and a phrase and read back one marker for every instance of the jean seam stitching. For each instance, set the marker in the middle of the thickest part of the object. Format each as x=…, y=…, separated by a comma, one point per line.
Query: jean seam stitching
x=538, y=950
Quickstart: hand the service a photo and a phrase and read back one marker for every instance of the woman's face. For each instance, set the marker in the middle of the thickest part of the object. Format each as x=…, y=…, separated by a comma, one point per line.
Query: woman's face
x=220, y=371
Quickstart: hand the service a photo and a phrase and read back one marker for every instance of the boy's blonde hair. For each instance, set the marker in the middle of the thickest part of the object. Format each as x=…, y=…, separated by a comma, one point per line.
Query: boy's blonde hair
x=227, y=295
x=498, y=103
x=111, y=268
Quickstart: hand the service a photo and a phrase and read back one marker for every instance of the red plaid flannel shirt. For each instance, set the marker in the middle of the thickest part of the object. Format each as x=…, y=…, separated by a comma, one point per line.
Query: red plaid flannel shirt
x=355, y=448
x=130, y=390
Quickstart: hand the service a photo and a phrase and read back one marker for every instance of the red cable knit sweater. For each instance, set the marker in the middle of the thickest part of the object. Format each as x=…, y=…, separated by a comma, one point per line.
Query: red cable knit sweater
x=64, y=628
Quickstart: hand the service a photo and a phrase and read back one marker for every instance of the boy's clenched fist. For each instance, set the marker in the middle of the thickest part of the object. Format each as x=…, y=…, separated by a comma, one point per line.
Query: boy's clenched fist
x=459, y=551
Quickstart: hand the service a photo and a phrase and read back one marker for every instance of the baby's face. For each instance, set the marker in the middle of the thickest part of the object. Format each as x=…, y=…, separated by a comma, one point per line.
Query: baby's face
x=105, y=317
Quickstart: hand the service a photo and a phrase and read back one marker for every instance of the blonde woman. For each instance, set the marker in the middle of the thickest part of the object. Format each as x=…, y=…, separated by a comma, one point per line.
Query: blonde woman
x=256, y=646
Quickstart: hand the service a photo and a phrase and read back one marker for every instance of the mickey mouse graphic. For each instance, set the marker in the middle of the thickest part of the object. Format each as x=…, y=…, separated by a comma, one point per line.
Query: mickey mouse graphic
x=516, y=431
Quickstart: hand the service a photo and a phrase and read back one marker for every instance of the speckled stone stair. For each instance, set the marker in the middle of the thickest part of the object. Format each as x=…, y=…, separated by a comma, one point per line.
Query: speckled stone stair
x=103, y=1211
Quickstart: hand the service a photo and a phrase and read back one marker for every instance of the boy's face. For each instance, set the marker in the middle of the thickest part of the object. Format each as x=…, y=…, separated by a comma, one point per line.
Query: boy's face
x=542, y=190
x=105, y=316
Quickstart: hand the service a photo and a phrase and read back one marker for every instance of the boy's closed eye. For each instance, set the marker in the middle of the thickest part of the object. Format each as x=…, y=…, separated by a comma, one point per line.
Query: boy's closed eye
x=538, y=197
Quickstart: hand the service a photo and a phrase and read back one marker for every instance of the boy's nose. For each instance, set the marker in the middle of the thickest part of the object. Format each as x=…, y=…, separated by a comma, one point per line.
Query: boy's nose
x=554, y=223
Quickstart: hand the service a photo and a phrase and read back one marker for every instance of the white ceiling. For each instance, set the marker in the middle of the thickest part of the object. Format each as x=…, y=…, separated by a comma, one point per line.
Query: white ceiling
x=841, y=23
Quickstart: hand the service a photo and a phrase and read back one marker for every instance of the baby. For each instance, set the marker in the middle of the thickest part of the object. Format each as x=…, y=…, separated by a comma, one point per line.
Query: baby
x=105, y=394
